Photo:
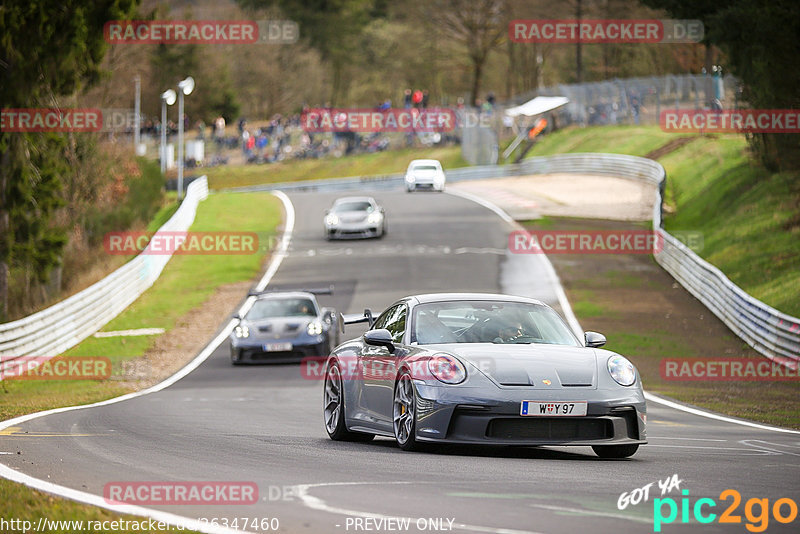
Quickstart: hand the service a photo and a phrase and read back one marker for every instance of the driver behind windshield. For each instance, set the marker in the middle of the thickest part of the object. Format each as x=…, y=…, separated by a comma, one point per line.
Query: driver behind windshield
x=509, y=333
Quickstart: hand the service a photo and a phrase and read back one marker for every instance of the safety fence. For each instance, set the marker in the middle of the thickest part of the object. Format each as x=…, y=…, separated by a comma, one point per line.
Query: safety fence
x=53, y=330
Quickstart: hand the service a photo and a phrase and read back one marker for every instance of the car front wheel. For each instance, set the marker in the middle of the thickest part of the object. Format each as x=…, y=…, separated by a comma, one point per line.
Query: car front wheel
x=404, y=413
x=615, y=451
x=333, y=408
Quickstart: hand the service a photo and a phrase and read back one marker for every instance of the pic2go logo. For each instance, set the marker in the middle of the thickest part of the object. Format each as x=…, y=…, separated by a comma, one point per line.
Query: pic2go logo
x=756, y=511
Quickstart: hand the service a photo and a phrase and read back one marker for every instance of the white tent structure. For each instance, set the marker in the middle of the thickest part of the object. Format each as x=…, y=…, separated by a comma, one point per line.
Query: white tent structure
x=532, y=108
x=537, y=106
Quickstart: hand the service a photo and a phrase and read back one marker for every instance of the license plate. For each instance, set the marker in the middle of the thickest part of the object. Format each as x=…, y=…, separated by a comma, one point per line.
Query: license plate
x=277, y=347
x=553, y=409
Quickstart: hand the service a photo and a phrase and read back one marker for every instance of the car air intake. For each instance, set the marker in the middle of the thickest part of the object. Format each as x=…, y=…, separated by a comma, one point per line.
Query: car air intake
x=547, y=428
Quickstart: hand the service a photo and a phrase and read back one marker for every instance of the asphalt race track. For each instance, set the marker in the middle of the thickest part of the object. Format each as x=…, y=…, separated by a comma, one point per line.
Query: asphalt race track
x=263, y=424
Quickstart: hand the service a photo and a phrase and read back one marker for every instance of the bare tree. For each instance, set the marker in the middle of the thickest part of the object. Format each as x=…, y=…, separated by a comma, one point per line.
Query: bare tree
x=479, y=25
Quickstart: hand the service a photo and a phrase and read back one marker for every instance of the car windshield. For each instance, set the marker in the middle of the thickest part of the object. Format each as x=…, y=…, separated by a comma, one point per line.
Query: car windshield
x=353, y=206
x=289, y=307
x=425, y=168
x=489, y=322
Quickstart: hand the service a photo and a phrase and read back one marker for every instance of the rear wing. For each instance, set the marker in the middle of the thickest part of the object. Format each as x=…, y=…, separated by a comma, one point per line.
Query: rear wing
x=314, y=291
x=355, y=318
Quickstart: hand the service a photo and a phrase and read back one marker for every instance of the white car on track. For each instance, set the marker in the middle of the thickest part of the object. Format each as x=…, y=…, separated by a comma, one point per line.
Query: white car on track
x=425, y=174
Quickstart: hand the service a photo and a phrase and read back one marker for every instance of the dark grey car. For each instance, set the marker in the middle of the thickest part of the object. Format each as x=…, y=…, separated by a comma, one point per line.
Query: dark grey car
x=481, y=369
x=284, y=326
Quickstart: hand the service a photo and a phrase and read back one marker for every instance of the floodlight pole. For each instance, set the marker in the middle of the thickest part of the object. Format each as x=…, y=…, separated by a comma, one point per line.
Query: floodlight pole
x=185, y=87
x=163, y=135
x=137, y=108
x=180, y=144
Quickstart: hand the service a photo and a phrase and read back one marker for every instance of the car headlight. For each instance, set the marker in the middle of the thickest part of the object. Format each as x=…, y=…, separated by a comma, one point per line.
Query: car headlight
x=374, y=217
x=410, y=178
x=331, y=219
x=621, y=370
x=447, y=369
x=314, y=328
x=241, y=331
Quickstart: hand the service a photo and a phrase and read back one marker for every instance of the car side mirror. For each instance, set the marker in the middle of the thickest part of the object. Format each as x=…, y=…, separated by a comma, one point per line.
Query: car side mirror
x=237, y=316
x=594, y=339
x=379, y=338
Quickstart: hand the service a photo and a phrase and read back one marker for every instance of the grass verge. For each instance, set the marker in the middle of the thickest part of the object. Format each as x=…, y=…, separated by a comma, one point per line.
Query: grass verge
x=186, y=282
x=30, y=505
x=377, y=163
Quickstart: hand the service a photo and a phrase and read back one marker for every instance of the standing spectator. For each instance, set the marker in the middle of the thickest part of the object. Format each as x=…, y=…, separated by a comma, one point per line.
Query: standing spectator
x=416, y=98
x=219, y=130
x=425, y=99
x=635, y=107
x=245, y=140
x=407, y=98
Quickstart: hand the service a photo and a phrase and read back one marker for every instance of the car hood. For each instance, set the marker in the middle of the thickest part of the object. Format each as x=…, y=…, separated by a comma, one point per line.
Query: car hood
x=277, y=327
x=352, y=216
x=530, y=365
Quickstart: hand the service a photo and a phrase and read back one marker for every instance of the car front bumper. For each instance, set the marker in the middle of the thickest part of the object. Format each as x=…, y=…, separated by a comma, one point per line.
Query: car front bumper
x=435, y=186
x=254, y=351
x=363, y=230
x=448, y=415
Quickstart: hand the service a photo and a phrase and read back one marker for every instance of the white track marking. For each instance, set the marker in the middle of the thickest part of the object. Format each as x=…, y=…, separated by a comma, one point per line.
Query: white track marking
x=81, y=496
x=750, y=451
x=135, y=332
x=761, y=445
x=315, y=503
x=686, y=439
x=695, y=411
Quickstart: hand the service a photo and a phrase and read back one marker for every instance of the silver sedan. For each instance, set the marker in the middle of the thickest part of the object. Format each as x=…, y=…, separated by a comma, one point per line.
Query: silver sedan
x=353, y=217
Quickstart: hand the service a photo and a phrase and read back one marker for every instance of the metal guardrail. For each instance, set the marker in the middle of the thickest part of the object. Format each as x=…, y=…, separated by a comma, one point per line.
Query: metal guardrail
x=774, y=334
x=770, y=332
x=53, y=330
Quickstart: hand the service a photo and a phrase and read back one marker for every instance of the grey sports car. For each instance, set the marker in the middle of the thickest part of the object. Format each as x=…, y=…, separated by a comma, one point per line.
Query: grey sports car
x=351, y=217
x=475, y=368
x=284, y=326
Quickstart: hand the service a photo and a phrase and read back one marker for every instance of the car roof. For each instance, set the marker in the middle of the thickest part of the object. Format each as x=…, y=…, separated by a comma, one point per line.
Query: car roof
x=425, y=162
x=354, y=199
x=286, y=295
x=454, y=297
